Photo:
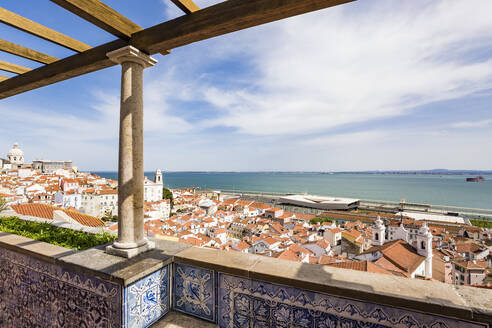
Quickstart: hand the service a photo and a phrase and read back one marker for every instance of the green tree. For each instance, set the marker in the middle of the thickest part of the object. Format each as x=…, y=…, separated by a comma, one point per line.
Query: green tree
x=3, y=204
x=167, y=194
x=321, y=219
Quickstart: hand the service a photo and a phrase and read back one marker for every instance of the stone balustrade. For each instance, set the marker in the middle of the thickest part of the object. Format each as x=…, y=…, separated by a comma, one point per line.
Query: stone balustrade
x=43, y=285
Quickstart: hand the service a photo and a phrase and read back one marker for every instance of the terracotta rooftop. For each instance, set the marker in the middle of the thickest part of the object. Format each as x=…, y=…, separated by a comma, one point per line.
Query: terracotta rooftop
x=45, y=211
x=399, y=253
x=366, y=266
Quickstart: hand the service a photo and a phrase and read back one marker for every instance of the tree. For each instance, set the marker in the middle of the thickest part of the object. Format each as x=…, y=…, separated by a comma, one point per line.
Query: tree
x=3, y=204
x=167, y=194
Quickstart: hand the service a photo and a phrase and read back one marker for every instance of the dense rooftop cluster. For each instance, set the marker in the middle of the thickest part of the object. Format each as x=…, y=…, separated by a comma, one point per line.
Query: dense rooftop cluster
x=459, y=253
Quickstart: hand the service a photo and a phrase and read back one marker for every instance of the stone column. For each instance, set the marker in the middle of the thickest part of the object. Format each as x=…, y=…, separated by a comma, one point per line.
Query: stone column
x=131, y=239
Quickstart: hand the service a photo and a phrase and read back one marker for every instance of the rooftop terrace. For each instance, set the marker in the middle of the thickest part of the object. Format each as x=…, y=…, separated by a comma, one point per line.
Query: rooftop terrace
x=174, y=282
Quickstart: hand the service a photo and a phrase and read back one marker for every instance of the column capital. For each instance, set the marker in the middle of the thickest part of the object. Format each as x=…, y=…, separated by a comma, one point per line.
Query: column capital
x=131, y=54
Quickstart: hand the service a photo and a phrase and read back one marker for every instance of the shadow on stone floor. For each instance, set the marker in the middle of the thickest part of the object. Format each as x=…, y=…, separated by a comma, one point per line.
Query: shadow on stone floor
x=177, y=320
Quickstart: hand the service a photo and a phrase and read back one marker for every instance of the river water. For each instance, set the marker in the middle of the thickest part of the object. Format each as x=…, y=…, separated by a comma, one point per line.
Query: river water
x=430, y=189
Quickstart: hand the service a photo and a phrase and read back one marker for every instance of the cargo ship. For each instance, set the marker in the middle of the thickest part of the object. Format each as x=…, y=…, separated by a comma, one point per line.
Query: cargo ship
x=475, y=179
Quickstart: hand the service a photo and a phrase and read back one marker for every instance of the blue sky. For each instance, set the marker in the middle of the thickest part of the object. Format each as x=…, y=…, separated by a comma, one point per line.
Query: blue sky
x=381, y=84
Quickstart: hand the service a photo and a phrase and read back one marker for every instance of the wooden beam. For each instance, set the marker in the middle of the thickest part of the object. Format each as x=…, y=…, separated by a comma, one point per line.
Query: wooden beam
x=102, y=16
x=13, y=68
x=21, y=51
x=223, y=18
x=26, y=25
x=79, y=64
x=3, y=78
x=188, y=6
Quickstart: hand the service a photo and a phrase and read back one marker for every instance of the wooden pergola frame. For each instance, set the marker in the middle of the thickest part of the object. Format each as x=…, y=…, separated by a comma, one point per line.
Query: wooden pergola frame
x=132, y=51
x=225, y=17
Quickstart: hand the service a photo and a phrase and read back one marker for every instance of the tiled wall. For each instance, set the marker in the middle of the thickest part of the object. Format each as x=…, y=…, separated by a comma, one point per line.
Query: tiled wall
x=35, y=293
x=232, y=301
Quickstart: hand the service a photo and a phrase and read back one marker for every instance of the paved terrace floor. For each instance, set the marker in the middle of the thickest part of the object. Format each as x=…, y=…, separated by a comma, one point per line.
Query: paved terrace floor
x=178, y=320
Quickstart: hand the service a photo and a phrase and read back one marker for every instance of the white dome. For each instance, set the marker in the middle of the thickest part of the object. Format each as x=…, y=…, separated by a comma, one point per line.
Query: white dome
x=16, y=151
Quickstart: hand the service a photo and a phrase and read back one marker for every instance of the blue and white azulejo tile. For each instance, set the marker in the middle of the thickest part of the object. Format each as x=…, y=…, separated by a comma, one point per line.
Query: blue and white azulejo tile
x=147, y=300
x=250, y=303
x=194, y=291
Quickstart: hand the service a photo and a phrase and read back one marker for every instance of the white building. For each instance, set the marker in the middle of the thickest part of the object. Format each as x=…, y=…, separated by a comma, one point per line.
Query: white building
x=98, y=203
x=153, y=189
x=398, y=256
x=69, y=199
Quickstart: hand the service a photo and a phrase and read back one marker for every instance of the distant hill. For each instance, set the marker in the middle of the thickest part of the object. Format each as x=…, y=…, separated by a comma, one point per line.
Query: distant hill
x=433, y=171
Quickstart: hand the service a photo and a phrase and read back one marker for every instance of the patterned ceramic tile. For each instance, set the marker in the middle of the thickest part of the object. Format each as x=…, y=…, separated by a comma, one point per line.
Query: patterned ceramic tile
x=194, y=291
x=35, y=293
x=250, y=303
x=146, y=300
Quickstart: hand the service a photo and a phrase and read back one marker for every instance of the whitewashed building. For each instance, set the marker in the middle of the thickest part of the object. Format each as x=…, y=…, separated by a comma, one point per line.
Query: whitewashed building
x=153, y=189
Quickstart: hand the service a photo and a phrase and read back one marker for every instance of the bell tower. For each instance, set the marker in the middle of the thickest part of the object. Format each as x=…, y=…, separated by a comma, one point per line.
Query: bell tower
x=158, y=177
x=378, y=233
x=424, y=248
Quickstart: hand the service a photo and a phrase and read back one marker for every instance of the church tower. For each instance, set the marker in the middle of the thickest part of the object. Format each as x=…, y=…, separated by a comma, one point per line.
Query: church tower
x=378, y=233
x=424, y=248
x=158, y=177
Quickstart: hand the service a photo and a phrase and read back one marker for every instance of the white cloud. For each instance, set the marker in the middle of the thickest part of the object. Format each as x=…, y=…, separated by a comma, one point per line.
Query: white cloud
x=345, y=139
x=471, y=124
x=343, y=65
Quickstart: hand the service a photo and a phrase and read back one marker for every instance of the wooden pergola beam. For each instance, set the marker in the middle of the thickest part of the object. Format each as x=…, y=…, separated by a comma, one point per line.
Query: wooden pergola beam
x=13, y=68
x=21, y=51
x=3, y=78
x=27, y=25
x=101, y=15
x=223, y=18
x=188, y=6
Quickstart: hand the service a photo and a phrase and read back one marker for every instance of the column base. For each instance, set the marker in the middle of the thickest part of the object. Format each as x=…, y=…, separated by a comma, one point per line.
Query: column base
x=130, y=252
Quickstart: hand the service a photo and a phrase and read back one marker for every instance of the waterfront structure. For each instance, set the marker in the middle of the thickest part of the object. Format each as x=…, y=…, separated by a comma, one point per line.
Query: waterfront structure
x=320, y=202
x=432, y=217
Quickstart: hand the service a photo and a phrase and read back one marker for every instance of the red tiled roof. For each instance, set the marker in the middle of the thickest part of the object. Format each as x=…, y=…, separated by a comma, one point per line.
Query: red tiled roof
x=45, y=211
x=399, y=253
x=366, y=266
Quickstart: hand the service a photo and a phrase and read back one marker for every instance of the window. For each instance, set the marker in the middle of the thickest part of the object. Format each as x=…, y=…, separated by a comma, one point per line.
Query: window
x=377, y=236
x=422, y=244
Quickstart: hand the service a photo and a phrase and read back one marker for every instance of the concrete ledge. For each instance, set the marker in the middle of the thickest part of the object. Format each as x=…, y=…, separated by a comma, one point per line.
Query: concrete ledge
x=35, y=248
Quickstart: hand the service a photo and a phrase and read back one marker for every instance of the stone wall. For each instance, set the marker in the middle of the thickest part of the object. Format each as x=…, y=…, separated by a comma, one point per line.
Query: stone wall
x=35, y=293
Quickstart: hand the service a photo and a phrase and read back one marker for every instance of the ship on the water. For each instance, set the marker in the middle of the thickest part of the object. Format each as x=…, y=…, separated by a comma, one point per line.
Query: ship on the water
x=475, y=179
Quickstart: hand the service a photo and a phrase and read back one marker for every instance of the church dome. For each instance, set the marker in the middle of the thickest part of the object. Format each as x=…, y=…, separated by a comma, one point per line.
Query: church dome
x=16, y=151
x=16, y=155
